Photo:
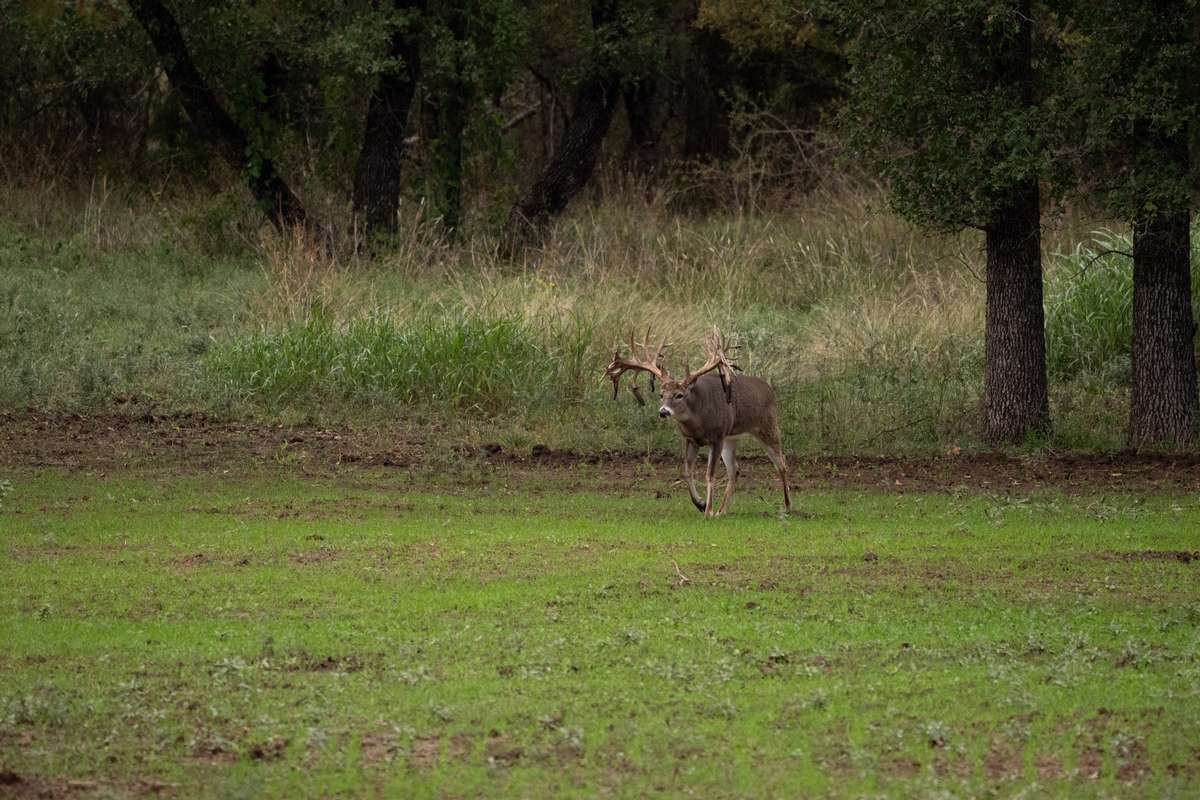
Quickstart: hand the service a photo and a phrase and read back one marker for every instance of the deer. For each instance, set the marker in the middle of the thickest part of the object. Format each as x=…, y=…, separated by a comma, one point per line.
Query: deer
x=712, y=407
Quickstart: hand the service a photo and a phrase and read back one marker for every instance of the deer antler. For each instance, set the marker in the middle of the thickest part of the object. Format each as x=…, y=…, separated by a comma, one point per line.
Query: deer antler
x=652, y=365
x=715, y=345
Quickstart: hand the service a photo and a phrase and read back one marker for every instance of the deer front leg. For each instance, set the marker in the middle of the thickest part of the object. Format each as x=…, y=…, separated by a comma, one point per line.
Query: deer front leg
x=690, y=448
x=709, y=475
x=730, y=459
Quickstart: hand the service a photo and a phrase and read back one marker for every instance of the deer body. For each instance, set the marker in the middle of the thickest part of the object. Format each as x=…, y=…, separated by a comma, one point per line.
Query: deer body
x=712, y=410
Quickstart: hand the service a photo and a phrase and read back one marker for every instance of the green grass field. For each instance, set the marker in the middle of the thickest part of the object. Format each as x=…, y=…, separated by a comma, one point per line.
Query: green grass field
x=534, y=634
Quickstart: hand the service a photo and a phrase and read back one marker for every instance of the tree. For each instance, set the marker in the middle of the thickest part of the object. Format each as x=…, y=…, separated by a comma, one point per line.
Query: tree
x=1137, y=108
x=474, y=48
x=620, y=51
x=377, y=174
x=593, y=103
x=943, y=103
x=248, y=154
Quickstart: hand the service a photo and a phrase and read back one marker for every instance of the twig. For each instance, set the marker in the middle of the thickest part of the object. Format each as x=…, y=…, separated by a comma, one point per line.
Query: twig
x=908, y=424
x=684, y=580
x=962, y=258
x=520, y=117
x=1097, y=256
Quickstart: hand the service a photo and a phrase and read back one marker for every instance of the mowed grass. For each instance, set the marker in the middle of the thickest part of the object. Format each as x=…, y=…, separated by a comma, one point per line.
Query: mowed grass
x=383, y=634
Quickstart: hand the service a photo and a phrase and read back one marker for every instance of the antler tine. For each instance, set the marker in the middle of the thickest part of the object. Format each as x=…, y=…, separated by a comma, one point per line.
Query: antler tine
x=715, y=345
x=635, y=361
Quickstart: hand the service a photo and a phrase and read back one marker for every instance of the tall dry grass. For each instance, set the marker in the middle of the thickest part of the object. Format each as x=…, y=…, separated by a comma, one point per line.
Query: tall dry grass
x=870, y=329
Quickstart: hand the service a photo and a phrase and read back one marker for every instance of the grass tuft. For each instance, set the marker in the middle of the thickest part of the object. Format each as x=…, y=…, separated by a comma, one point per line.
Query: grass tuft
x=461, y=363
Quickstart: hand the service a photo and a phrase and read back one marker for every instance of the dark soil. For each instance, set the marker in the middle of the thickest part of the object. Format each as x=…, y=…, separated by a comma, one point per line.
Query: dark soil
x=195, y=443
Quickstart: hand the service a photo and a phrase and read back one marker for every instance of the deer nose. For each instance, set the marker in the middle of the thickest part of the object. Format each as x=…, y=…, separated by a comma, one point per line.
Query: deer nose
x=664, y=412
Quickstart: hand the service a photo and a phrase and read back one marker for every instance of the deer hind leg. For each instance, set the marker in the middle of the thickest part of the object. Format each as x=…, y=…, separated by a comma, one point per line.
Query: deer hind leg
x=690, y=449
x=728, y=455
x=770, y=440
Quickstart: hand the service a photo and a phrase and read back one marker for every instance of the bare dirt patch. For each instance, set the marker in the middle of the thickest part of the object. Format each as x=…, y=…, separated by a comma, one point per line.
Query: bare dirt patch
x=901, y=766
x=1048, y=767
x=319, y=556
x=1002, y=759
x=1182, y=556
x=427, y=751
x=305, y=662
x=194, y=442
x=31, y=786
x=378, y=748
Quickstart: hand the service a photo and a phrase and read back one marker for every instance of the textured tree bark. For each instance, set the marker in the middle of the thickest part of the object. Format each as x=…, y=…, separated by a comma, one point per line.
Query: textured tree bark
x=1015, y=398
x=1163, y=397
x=1016, y=403
x=593, y=104
x=281, y=205
x=377, y=174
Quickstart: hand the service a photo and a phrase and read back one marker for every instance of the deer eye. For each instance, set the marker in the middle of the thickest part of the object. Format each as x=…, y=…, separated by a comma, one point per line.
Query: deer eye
x=679, y=395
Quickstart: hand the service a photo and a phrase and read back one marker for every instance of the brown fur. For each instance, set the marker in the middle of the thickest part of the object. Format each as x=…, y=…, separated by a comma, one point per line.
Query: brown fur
x=705, y=418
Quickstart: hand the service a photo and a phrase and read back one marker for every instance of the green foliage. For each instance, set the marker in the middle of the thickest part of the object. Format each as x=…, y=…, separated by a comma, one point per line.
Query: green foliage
x=776, y=26
x=1089, y=308
x=938, y=106
x=1134, y=101
x=74, y=77
x=475, y=45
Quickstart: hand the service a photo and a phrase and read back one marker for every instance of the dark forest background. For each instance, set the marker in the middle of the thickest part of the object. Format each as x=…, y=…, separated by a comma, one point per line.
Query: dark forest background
x=968, y=222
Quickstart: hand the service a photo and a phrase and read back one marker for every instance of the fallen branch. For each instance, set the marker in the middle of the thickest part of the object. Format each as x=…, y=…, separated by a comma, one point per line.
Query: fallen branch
x=684, y=580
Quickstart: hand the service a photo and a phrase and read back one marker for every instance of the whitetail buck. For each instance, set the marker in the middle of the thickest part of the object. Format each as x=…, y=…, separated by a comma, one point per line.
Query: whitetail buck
x=710, y=409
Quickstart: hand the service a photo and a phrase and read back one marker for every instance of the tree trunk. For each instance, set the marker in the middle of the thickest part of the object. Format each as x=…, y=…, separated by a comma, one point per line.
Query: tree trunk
x=453, y=125
x=706, y=133
x=594, y=102
x=378, y=171
x=456, y=96
x=1015, y=398
x=1015, y=401
x=646, y=111
x=1163, y=397
x=214, y=123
